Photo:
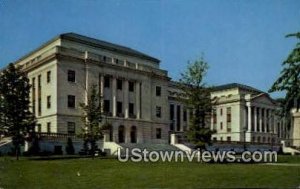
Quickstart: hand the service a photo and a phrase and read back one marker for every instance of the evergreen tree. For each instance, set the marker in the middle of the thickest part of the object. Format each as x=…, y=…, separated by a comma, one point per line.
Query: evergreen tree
x=16, y=119
x=197, y=98
x=92, y=118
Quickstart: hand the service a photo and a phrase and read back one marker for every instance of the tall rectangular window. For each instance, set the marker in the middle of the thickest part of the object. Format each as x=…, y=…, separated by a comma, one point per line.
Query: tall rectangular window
x=119, y=84
x=71, y=127
x=39, y=95
x=48, y=76
x=49, y=127
x=131, y=86
x=39, y=106
x=39, y=128
x=228, y=112
x=171, y=111
x=158, y=111
x=178, y=115
x=158, y=91
x=71, y=76
x=184, y=115
x=48, y=102
x=33, y=95
x=158, y=133
x=106, y=81
x=106, y=106
x=221, y=111
x=119, y=108
x=39, y=80
x=221, y=125
x=71, y=101
x=131, y=109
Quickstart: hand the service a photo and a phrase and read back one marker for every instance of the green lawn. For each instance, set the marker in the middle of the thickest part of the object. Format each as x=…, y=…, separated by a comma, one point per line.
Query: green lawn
x=109, y=173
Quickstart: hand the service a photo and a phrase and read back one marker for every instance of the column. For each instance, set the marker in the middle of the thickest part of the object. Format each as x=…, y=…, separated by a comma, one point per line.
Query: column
x=211, y=119
x=275, y=124
x=114, y=97
x=126, y=96
x=101, y=91
x=137, y=100
x=260, y=119
x=255, y=119
x=249, y=117
x=175, y=118
x=270, y=118
x=265, y=119
x=181, y=117
x=86, y=80
x=245, y=117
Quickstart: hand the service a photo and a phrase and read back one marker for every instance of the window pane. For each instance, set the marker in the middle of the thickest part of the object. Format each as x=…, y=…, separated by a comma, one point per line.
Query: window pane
x=71, y=75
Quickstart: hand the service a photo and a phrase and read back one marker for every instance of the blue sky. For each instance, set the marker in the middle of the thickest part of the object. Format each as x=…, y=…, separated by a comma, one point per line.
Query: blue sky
x=242, y=41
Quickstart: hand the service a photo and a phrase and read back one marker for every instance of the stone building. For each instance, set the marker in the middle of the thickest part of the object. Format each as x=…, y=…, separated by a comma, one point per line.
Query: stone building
x=133, y=87
x=138, y=98
x=243, y=113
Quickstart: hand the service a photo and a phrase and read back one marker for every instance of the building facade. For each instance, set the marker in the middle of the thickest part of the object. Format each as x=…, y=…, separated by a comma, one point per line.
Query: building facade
x=242, y=113
x=132, y=86
x=138, y=98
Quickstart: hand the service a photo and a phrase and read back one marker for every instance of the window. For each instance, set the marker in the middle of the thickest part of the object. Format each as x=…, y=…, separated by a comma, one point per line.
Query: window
x=131, y=109
x=221, y=111
x=71, y=101
x=39, y=95
x=158, y=133
x=33, y=95
x=158, y=91
x=48, y=102
x=106, y=106
x=39, y=128
x=172, y=112
x=71, y=75
x=228, y=111
x=131, y=86
x=221, y=125
x=48, y=76
x=49, y=127
x=158, y=111
x=228, y=138
x=106, y=81
x=39, y=81
x=214, y=116
x=119, y=84
x=184, y=115
x=39, y=106
x=116, y=60
x=71, y=128
x=119, y=108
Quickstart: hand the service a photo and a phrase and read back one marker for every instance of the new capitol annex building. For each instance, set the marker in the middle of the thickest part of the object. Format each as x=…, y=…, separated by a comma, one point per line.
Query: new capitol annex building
x=138, y=98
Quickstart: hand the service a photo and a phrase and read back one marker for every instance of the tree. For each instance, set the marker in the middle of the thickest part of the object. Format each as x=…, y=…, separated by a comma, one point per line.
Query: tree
x=16, y=119
x=196, y=96
x=289, y=80
x=92, y=117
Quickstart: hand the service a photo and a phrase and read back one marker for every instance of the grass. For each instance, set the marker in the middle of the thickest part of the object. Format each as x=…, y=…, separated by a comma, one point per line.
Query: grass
x=109, y=173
